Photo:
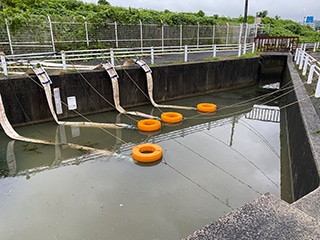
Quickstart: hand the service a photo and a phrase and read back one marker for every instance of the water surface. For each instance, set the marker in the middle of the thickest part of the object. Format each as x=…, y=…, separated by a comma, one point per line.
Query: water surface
x=211, y=164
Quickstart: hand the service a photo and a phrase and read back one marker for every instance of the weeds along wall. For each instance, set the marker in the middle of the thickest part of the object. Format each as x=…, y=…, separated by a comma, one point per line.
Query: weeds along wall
x=25, y=101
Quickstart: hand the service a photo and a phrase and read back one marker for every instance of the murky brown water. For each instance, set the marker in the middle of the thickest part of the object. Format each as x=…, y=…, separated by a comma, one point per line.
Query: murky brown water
x=211, y=164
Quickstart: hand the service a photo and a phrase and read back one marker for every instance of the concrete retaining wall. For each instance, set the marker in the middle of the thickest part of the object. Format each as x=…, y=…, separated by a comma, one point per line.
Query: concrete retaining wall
x=302, y=122
x=25, y=102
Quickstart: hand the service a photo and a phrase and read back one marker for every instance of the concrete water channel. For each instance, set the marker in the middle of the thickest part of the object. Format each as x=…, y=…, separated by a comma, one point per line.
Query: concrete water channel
x=211, y=165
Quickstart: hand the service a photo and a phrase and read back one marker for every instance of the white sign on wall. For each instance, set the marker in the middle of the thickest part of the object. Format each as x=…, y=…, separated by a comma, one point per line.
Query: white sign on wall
x=72, y=103
x=57, y=100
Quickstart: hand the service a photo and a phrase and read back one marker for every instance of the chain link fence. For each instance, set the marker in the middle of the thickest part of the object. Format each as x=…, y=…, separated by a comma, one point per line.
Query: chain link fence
x=52, y=36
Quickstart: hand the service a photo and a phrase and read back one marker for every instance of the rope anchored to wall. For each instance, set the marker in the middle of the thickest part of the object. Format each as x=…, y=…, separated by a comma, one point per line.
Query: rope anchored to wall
x=46, y=81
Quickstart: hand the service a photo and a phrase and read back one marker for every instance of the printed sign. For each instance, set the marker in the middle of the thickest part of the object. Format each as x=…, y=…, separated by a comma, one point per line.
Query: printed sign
x=309, y=19
x=72, y=103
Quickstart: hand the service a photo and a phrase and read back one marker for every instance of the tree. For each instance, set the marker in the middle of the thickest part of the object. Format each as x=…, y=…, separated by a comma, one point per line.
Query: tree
x=103, y=2
x=200, y=13
x=262, y=14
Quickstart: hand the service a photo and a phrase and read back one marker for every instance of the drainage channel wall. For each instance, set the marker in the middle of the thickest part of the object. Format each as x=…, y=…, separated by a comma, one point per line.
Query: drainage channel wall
x=302, y=123
x=25, y=102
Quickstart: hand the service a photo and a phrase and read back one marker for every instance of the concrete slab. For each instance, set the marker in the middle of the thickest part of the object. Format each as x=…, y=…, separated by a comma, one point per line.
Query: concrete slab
x=310, y=204
x=265, y=218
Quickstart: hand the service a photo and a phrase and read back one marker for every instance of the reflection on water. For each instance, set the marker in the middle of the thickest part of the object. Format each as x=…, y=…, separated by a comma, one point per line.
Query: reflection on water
x=211, y=164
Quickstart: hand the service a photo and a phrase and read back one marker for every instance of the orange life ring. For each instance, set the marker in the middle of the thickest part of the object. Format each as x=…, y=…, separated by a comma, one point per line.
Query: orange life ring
x=147, y=152
x=149, y=125
x=171, y=117
x=206, y=107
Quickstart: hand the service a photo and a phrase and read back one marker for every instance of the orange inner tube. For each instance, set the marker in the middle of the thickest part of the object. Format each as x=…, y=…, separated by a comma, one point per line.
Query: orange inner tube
x=171, y=117
x=206, y=107
x=147, y=152
x=149, y=125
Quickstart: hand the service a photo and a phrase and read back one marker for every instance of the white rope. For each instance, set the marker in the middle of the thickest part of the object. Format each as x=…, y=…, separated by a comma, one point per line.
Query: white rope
x=10, y=132
x=45, y=81
x=148, y=72
x=116, y=96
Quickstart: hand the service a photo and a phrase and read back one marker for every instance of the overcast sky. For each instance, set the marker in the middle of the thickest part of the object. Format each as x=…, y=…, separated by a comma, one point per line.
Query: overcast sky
x=286, y=9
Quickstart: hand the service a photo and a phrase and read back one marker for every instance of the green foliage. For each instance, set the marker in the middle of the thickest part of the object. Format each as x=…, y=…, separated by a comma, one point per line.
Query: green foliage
x=279, y=27
x=103, y=2
x=21, y=13
x=249, y=54
x=262, y=14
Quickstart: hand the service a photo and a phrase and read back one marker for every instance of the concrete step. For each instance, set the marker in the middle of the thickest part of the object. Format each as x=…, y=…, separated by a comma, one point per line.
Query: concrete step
x=265, y=218
x=310, y=204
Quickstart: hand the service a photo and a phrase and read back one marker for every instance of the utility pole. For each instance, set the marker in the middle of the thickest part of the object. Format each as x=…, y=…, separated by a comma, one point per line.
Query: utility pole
x=245, y=11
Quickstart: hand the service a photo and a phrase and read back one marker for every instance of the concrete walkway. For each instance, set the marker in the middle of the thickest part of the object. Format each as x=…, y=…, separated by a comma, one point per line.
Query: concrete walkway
x=267, y=218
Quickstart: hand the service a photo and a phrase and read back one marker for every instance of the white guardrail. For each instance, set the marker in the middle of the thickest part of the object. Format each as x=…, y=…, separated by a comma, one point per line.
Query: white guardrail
x=308, y=64
x=80, y=59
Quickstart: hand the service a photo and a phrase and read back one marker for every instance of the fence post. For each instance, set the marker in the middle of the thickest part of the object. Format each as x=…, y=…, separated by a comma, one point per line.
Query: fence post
x=227, y=37
x=152, y=55
x=314, y=47
x=244, y=48
x=141, y=35
x=305, y=66
x=181, y=33
x=4, y=64
x=162, y=36
x=198, y=35
x=317, y=94
x=116, y=34
x=240, y=33
x=256, y=30
x=185, y=53
x=51, y=33
x=63, y=58
x=245, y=34
x=87, y=33
x=310, y=76
x=239, y=50
x=253, y=47
x=214, y=50
x=297, y=56
x=301, y=60
x=213, y=33
x=9, y=36
x=112, y=56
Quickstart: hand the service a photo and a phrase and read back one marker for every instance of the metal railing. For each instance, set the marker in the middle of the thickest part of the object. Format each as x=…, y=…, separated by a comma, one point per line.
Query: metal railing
x=88, y=59
x=264, y=113
x=276, y=43
x=308, y=64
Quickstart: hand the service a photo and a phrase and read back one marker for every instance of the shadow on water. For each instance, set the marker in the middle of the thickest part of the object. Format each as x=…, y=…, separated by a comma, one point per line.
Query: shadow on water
x=211, y=164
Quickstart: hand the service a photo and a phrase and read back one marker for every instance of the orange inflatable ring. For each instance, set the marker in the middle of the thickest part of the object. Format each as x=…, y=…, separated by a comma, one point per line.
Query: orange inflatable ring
x=149, y=125
x=206, y=107
x=147, y=152
x=171, y=117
